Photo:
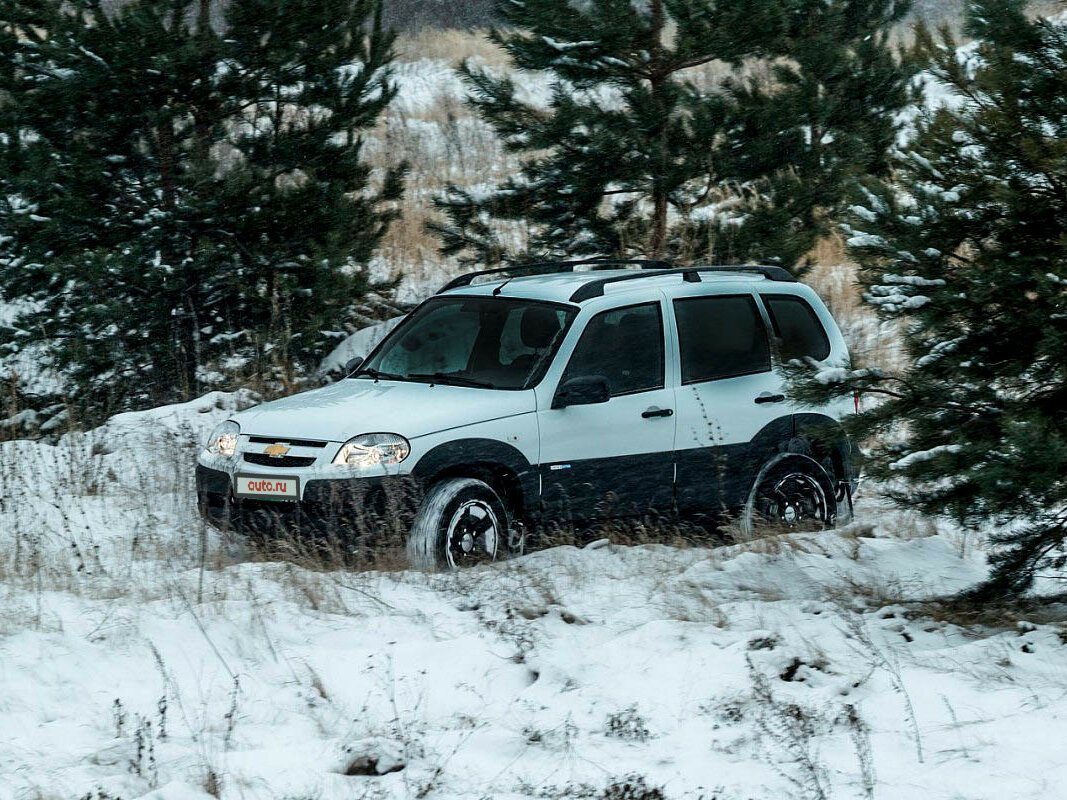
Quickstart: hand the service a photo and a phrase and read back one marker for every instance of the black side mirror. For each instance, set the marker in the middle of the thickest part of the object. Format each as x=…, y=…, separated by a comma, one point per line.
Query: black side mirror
x=352, y=365
x=582, y=392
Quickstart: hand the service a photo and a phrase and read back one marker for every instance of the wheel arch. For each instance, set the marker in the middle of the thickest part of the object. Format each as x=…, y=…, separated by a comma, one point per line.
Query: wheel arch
x=824, y=439
x=500, y=465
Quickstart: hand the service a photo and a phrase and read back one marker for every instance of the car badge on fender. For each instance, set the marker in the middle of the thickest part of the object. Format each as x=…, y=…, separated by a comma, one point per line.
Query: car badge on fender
x=277, y=450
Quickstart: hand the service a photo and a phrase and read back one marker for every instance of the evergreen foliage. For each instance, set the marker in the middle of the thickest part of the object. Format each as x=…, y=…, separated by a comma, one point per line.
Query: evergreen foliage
x=182, y=205
x=825, y=113
x=967, y=248
x=632, y=155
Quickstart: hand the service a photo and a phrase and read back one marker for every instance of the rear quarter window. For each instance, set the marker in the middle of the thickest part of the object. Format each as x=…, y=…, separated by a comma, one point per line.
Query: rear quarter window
x=797, y=326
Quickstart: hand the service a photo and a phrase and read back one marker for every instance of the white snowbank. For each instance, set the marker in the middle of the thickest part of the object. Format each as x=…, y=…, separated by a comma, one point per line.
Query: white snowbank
x=358, y=344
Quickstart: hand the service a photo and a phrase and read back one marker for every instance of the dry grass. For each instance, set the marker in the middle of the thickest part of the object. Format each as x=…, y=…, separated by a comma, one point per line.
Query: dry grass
x=1021, y=615
x=454, y=46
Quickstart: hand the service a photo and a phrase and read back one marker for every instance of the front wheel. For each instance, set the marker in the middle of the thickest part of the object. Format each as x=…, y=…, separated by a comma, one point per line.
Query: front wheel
x=462, y=523
x=791, y=493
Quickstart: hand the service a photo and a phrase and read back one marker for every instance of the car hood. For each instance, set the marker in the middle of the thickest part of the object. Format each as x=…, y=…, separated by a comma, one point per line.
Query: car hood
x=354, y=406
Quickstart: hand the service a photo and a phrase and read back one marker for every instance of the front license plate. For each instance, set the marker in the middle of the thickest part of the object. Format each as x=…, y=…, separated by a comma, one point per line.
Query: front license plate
x=263, y=487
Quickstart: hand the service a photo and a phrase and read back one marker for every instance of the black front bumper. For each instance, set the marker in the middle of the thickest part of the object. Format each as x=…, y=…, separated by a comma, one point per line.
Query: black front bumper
x=352, y=511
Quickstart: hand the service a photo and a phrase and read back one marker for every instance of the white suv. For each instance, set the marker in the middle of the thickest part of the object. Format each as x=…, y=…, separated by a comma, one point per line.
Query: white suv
x=560, y=394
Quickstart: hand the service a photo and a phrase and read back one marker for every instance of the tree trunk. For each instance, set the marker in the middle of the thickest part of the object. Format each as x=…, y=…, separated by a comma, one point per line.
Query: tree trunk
x=658, y=81
x=658, y=245
x=165, y=147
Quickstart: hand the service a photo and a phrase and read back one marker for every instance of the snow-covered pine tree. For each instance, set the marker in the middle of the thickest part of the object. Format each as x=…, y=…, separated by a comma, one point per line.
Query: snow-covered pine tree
x=968, y=249
x=824, y=112
x=191, y=203
x=627, y=143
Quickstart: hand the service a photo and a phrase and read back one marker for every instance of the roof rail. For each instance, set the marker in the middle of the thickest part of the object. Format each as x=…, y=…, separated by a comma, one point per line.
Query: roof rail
x=595, y=288
x=550, y=267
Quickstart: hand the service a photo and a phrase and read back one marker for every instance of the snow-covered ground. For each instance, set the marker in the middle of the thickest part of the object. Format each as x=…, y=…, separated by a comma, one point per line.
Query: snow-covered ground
x=139, y=657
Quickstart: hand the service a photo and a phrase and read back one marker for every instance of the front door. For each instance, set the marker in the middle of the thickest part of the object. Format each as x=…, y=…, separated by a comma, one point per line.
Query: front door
x=613, y=458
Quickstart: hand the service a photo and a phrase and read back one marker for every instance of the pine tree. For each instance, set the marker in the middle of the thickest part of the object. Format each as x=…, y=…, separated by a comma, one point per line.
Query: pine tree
x=632, y=156
x=628, y=140
x=824, y=114
x=200, y=208
x=967, y=247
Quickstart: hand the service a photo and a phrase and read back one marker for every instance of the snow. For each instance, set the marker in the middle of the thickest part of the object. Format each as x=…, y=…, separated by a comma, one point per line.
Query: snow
x=422, y=84
x=26, y=367
x=564, y=46
x=924, y=455
x=359, y=344
x=142, y=657
x=831, y=375
x=866, y=240
x=864, y=213
x=913, y=280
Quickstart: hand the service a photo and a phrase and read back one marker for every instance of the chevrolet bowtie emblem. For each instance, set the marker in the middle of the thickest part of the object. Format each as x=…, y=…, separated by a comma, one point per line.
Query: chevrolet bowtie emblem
x=277, y=450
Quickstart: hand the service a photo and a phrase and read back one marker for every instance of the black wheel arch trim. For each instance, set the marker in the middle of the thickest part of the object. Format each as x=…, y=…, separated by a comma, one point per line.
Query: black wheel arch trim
x=827, y=442
x=501, y=465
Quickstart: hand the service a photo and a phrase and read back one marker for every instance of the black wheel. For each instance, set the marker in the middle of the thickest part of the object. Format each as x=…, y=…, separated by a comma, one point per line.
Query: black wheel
x=461, y=523
x=791, y=493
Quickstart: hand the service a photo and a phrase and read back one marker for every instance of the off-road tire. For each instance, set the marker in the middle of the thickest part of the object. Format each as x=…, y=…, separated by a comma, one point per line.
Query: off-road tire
x=455, y=513
x=791, y=492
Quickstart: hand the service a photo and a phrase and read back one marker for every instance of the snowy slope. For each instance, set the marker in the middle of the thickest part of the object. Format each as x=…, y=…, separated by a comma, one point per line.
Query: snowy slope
x=134, y=663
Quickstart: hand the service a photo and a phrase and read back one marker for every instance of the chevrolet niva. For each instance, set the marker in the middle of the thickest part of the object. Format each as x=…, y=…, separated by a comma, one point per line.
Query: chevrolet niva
x=563, y=394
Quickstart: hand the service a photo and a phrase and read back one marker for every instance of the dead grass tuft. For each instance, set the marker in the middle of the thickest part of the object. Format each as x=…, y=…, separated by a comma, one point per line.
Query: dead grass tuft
x=1021, y=615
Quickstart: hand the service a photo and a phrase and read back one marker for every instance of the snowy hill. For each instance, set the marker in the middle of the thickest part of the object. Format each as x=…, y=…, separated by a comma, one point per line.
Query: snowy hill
x=142, y=657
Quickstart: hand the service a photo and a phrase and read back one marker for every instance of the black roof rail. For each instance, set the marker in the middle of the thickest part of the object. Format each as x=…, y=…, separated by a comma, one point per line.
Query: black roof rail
x=550, y=267
x=595, y=288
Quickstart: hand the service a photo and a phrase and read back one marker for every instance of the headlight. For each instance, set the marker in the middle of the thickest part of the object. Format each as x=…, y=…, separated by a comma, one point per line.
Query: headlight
x=223, y=441
x=372, y=449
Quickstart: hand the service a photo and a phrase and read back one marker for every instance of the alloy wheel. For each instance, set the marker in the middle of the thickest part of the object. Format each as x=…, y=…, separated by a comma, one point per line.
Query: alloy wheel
x=473, y=535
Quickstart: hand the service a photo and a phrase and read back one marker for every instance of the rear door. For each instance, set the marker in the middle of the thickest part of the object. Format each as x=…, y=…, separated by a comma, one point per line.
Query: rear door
x=731, y=404
x=613, y=458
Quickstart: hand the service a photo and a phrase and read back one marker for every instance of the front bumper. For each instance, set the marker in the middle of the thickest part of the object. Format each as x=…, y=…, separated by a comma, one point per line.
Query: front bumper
x=367, y=511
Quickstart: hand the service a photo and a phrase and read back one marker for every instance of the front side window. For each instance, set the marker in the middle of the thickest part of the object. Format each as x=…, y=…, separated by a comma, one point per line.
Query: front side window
x=800, y=334
x=720, y=337
x=494, y=342
x=625, y=347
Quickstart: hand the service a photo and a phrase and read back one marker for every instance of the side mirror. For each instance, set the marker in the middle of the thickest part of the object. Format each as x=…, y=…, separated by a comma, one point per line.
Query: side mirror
x=582, y=392
x=353, y=364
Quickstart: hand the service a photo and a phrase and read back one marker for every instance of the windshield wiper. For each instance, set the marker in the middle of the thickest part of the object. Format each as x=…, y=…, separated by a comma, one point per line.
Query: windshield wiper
x=378, y=376
x=442, y=377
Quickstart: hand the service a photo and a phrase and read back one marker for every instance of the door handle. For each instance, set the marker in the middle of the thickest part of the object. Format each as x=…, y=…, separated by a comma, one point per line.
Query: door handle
x=767, y=397
x=657, y=412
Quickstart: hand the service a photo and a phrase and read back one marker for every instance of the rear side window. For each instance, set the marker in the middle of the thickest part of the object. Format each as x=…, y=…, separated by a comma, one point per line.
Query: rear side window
x=625, y=347
x=721, y=337
x=799, y=332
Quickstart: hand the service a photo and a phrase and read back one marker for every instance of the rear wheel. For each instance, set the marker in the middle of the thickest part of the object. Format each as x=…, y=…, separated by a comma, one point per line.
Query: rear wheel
x=791, y=493
x=462, y=523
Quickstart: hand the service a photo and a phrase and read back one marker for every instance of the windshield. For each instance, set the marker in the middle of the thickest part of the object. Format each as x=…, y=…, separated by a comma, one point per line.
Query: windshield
x=490, y=342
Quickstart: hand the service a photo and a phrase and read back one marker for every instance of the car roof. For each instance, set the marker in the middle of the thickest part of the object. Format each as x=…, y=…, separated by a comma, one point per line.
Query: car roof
x=558, y=287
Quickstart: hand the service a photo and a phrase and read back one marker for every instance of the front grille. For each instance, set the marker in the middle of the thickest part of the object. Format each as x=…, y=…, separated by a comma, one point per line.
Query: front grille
x=263, y=460
x=283, y=440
